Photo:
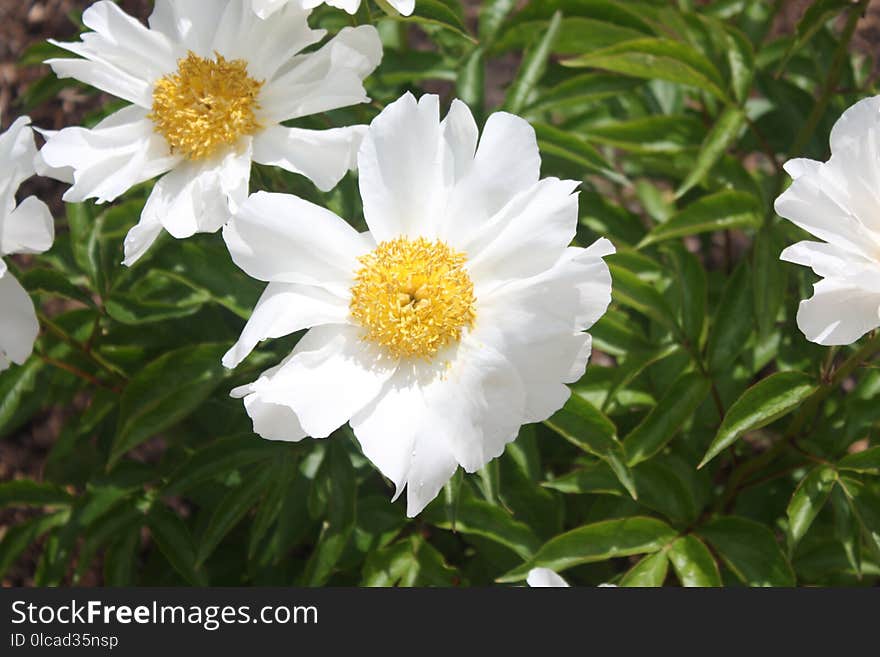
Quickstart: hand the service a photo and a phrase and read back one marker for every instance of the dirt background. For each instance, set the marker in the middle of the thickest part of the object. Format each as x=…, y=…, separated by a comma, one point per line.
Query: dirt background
x=24, y=23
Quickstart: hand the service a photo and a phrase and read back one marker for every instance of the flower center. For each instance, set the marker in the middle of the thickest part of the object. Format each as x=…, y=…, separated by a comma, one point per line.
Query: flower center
x=414, y=297
x=205, y=105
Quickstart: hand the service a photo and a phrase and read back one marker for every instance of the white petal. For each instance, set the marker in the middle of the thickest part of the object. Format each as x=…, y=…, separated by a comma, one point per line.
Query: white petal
x=122, y=56
x=851, y=128
x=405, y=7
x=189, y=22
x=18, y=321
x=460, y=132
x=431, y=467
x=838, y=313
x=351, y=6
x=324, y=80
x=544, y=577
x=17, y=153
x=29, y=228
x=536, y=323
x=477, y=406
x=198, y=197
x=118, y=153
x=279, y=237
x=140, y=238
x=332, y=374
x=386, y=428
x=266, y=45
x=830, y=261
x=271, y=421
x=283, y=309
x=323, y=156
x=430, y=418
x=528, y=236
x=265, y=8
x=506, y=163
x=401, y=169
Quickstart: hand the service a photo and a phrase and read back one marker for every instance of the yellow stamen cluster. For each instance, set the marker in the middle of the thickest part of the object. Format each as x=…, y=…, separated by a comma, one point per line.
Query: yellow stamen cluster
x=414, y=297
x=206, y=105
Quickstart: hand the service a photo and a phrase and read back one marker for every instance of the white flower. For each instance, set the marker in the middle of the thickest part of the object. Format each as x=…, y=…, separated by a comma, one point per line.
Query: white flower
x=266, y=8
x=838, y=201
x=25, y=228
x=210, y=84
x=546, y=578
x=456, y=319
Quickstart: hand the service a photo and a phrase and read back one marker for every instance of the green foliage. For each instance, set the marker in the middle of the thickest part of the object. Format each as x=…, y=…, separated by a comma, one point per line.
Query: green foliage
x=708, y=444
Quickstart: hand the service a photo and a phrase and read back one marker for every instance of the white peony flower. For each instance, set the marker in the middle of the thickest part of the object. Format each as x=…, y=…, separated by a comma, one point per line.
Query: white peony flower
x=456, y=319
x=210, y=84
x=24, y=228
x=546, y=578
x=837, y=201
x=265, y=8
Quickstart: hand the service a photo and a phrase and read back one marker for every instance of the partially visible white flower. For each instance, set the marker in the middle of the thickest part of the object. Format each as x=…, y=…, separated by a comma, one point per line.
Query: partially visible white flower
x=210, y=84
x=458, y=318
x=24, y=228
x=544, y=577
x=838, y=201
x=265, y=8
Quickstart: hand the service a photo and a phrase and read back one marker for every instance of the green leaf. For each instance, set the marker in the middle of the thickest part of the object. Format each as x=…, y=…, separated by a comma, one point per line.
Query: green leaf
x=649, y=572
x=750, y=551
x=49, y=281
x=732, y=324
x=572, y=148
x=630, y=290
x=471, y=81
x=532, y=68
x=808, y=499
x=218, y=458
x=430, y=13
x=338, y=477
x=680, y=402
x=763, y=403
x=846, y=528
x=26, y=492
x=480, y=518
x=693, y=563
x=230, y=510
x=84, y=232
x=492, y=17
x=771, y=280
x=813, y=19
x=21, y=536
x=692, y=286
x=656, y=59
x=578, y=90
x=649, y=134
x=725, y=210
x=15, y=384
x=175, y=542
x=723, y=133
x=165, y=392
x=409, y=562
x=583, y=425
x=598, y=542
x=865, y=504
x=867, y=461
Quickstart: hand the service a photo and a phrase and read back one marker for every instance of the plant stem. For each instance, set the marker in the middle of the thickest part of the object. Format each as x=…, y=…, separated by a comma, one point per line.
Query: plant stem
x=70, y=369
x=96, y=358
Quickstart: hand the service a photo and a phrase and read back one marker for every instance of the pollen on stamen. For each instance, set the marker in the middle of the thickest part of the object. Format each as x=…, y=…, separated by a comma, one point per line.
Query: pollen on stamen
x=206, y=105
x=413, y=297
